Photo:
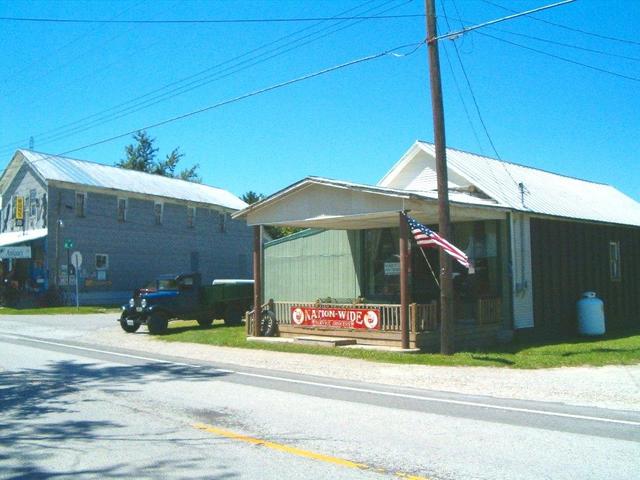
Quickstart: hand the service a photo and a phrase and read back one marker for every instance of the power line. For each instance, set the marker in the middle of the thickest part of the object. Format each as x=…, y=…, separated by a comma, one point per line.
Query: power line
x=210, y=78
x=66, y=130
x=568, y=45
x=564, y=59
x=475, y=101
x=566, y=27
x=390, y=52
x=214, y=21
x=136, y=104
x=464, y=104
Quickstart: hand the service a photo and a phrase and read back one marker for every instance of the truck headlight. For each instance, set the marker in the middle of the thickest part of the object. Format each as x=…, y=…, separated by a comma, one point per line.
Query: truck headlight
x=143, y=303
x=132, y=303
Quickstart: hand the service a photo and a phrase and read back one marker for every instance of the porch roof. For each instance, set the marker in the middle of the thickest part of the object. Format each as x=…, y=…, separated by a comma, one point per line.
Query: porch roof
x=13, y=238
x=316, y=202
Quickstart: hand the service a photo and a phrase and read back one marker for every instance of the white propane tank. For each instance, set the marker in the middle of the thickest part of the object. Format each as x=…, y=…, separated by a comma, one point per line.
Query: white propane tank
x=590, y=314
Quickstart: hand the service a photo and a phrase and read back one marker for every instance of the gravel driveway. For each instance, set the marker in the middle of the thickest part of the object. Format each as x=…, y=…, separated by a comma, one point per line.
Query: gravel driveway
x=616, y=387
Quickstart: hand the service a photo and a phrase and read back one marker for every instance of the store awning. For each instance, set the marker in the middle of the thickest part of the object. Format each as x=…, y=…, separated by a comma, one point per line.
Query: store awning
x=13, y=238
x=331, y=204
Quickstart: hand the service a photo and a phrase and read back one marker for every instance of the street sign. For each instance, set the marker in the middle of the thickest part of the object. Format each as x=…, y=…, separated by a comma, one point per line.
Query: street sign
x=76, y=260
x=15, y=252
x=68, y=244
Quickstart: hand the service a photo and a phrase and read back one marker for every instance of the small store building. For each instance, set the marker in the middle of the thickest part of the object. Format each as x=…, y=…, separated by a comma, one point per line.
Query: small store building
x=537, y=241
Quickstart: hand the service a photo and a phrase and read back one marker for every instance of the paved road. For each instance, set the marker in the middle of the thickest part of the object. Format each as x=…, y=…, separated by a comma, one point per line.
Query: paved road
x=75, y=409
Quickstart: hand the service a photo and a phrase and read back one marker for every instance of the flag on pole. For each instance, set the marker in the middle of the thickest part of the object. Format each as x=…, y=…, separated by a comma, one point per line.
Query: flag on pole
x=425, y=237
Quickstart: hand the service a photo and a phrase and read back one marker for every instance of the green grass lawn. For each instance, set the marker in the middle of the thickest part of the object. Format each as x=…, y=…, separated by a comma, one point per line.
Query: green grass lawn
x=58, y=310
x=612, y=349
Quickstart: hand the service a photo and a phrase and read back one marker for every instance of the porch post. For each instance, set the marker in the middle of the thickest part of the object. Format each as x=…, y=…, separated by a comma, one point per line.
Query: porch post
x=257, y=280
x=404, y=281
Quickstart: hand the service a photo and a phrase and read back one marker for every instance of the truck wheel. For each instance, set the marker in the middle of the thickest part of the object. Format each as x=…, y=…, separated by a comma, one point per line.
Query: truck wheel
x=129, y=325
x=157, y=323
x=205, y=323
x=233, y=315
x=268, y=324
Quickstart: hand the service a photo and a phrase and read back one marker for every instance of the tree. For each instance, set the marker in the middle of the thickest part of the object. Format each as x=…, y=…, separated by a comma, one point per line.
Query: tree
x=141, y=156
x=252, y=197
x=274, y=231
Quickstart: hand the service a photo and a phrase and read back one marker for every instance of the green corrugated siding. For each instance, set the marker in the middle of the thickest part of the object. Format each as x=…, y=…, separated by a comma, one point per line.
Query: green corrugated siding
x=311, y=267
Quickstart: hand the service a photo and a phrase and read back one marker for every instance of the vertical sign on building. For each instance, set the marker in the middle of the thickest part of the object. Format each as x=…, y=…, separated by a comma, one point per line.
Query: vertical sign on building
x=19, y=211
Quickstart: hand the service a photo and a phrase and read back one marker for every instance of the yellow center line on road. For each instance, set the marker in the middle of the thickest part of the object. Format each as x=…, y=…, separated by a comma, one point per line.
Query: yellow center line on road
x=299, y=452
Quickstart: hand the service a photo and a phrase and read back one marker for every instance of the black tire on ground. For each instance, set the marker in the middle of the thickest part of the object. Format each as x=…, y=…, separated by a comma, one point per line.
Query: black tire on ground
x=205, y=322
x=129, y=328
x=233, y=315
x=268, y=324
x=157, y=323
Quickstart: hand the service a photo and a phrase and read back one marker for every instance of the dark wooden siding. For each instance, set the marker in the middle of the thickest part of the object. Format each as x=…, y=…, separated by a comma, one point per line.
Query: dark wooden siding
x=569, y=258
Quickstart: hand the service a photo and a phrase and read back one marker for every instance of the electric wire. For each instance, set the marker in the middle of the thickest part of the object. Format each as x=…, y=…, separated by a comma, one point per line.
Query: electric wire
x=464, y=104
x=566, y=27
x=64, y=130
x=391, y=52
x=196, y=84
x=214, y=21
x=478, y=109
x=554, y=42
x=564, y=59
x=473, y=96
x=73, y=41
x=568, y=45
x=117, y=112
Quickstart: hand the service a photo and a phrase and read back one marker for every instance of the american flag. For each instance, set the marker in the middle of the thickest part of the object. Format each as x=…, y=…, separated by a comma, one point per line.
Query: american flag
x=425, y=237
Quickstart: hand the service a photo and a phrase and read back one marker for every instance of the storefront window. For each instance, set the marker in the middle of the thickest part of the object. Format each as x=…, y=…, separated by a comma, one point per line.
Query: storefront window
x=479, y=240
x=382, y=265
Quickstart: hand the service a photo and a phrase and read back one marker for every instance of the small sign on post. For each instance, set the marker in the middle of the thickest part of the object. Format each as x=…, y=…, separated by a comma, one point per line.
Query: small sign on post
x=68, y=244
x=76, y=261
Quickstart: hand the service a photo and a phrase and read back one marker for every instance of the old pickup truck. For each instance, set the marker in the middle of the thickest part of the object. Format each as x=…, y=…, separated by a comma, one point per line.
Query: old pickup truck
x=176, y=297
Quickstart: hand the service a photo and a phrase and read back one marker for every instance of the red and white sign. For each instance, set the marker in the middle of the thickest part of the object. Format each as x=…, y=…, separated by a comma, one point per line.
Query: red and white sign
x=336, y=317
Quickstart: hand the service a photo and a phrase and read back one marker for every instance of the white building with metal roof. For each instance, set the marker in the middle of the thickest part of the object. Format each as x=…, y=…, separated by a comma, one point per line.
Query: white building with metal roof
x=129, y=226
x=538, y=241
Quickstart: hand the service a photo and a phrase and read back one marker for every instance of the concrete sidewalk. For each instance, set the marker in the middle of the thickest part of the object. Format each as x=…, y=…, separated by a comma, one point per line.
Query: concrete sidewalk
x=615, y=387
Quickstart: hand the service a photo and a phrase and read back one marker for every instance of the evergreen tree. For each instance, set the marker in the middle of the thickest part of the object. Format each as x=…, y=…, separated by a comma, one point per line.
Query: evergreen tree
x=141, y=156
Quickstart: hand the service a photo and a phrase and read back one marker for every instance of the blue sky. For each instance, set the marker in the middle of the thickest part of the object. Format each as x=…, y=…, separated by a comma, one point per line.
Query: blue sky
x=351, y=124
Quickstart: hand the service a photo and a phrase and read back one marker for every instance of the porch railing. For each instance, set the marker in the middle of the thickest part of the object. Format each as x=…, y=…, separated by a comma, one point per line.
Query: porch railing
x=389, y=313
x=489, y=310
x=421, y=317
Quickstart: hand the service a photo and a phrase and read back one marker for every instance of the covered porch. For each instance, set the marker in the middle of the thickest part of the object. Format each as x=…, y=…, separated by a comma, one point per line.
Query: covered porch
x=359, y=257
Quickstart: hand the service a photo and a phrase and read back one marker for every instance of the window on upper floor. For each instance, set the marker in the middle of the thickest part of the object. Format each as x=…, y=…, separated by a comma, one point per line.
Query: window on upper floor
x=81, y=204
x=614, y=261
x=33, y=203
x=122, y=210
x=191, y=217
x=157, y=210
x=222, y=221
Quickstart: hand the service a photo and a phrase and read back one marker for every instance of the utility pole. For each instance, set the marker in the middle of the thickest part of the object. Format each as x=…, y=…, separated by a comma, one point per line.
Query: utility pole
x=444, y=221
x=447, y=325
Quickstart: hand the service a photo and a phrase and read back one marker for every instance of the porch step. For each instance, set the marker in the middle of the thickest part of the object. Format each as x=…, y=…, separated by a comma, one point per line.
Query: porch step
x=324, y=341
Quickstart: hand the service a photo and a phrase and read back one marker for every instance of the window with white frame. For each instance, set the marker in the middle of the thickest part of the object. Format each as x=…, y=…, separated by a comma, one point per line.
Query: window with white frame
x=122, y=210
x=614, y=261
x=102, y=261
x=191, y=217
x=157, y=210
x=81, y=204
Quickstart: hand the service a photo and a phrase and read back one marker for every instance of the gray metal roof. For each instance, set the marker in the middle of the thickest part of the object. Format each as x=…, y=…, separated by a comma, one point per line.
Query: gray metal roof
x=80, y=172
x=542, y=192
